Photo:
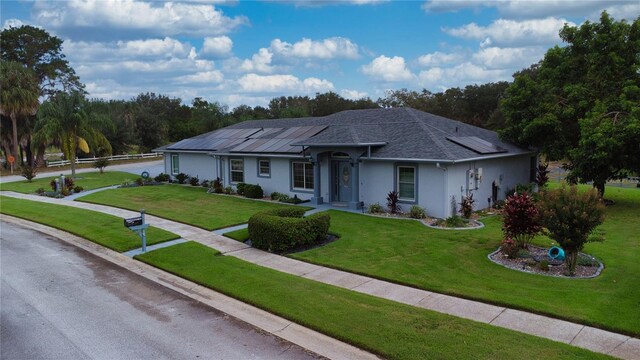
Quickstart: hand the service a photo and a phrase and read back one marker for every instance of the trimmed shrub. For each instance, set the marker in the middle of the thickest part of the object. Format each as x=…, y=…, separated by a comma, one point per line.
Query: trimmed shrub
x=417, y=212
x=52, y=184
x=182, y=178
x=276, y=195
x=140, y=181
x=217, y=186
x=78, y=189
x=69, y=184
x=253, y=191
x=282, y=230
x=194, y=181
x=204, y=183
x=240, y=188
x=375, y=209
x=509, y=248
x=294, y=200
x=521, y=219
x=162, y=177
x=228, y=190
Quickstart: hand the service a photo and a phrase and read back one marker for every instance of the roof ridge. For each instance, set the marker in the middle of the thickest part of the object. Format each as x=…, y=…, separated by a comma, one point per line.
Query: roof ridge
x=427, y=128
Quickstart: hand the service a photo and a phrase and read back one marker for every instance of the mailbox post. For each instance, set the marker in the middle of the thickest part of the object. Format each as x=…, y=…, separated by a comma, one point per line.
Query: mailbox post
x=138, y=225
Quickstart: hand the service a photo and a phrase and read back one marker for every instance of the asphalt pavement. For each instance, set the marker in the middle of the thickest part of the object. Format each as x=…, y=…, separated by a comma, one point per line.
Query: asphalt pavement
x=61, y=302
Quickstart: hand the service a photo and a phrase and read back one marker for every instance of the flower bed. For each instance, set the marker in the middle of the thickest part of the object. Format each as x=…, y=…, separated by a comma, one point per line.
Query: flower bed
x=533, y=261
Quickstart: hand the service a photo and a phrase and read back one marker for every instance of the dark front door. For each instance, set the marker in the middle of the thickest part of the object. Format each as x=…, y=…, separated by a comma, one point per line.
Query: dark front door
x=341, y=181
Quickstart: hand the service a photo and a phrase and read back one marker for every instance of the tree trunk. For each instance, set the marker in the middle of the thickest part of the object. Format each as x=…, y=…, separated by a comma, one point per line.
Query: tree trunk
x=28, y=151
x=570, y=261
x=40, y=156
x=14, y=124
x=599, y=185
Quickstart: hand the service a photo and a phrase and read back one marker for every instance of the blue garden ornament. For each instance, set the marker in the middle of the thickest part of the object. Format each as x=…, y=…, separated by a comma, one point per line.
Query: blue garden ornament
x=556, y=253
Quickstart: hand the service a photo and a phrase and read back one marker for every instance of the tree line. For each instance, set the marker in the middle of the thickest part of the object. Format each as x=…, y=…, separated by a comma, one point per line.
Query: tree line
x=580, y=104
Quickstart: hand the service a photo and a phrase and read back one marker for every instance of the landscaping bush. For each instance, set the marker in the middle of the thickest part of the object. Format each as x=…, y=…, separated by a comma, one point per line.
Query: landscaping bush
x=455, y=222
x=69, y=184
x=571, y=217
x=521, y=219
x=194, y=181
x=275, y=195
x=29, y=172
x=182, y=178
x=162, y=177
x=52, y=184
x=100, y=164
x=294, y=200
x=240, y=188
x=375, y=209
x=392, y=202
x=466, y=206
x=509, y=247
x=282, y=230
x=253, y=191
x=204, y=183
x=542, y=175
x=228, y=190
x=40, y=191
x=140, y=181
x=78, y=189
x=217, y=186
x=417, y=212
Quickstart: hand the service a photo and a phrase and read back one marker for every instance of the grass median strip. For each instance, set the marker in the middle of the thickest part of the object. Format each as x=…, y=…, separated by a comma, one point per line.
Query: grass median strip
x=185, y=204
x=240, y=235
x=390, y=329
x=88, y=181
x=99, y=228
x=455, y=262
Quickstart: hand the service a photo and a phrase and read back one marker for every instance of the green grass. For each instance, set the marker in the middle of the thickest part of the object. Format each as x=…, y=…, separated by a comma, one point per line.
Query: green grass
x=99, y=228
x=393, y=330
x=185, y=204
x=455, y=262
x=88, y=181
x=241, y=235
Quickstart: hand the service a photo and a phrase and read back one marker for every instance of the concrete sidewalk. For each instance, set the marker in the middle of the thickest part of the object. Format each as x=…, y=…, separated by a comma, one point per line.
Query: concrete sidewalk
x=559, y=330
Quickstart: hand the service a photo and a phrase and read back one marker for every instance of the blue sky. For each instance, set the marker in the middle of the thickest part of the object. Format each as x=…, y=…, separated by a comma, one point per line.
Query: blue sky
x=238, y=52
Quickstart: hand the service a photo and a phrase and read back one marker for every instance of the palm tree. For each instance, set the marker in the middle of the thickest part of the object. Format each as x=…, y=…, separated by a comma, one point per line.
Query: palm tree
x=19, y=94
x=62, y=120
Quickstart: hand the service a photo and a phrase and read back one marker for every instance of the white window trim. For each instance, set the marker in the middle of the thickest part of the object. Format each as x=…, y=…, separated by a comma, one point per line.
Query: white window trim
x=304, y=178
x=231, y=171
x=173, y=167
x=260, y=173
x=398, y=182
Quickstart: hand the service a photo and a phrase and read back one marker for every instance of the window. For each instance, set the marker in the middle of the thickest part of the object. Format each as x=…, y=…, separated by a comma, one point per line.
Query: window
x=175, y=164
x=264, y=168
x=237, y=170
x=407, y=183
x=302, y=175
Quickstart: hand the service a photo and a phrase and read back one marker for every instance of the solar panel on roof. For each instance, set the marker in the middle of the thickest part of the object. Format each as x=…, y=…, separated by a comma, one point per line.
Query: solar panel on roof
x=263, y=142
x=476, y=144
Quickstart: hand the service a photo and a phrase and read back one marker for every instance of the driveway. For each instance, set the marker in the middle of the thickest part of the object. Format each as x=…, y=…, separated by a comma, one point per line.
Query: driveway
x=60, y=302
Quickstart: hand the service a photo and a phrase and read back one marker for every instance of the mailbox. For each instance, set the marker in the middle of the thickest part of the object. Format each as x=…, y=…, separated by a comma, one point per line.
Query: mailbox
x=136, y=221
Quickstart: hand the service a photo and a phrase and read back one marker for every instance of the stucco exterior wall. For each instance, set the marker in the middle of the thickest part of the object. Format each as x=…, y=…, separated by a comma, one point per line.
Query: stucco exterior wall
x=199, y=165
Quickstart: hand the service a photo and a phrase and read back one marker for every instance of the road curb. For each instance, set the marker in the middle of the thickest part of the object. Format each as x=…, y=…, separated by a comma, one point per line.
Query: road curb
x=311, y=340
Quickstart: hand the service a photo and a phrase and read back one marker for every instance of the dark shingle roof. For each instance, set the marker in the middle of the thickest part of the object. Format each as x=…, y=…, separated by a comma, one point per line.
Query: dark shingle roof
x=398, y=133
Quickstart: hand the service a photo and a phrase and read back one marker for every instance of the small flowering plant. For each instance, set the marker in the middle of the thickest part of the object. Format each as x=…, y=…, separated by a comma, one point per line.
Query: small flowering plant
x=509, y=247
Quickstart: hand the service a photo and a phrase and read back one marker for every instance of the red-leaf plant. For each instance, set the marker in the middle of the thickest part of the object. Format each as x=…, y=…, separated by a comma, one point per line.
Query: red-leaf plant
x=521, y=219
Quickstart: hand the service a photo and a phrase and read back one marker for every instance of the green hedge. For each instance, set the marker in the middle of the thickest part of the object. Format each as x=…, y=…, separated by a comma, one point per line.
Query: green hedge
x=253, y=191
x=282, y=230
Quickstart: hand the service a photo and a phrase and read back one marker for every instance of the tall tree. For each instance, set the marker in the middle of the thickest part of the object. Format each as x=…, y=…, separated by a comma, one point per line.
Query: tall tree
x=63, y=120
x=18, y=95
x=581, y=102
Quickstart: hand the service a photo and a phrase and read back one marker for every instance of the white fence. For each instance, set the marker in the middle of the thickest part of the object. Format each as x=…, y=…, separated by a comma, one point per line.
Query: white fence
x=111, y=158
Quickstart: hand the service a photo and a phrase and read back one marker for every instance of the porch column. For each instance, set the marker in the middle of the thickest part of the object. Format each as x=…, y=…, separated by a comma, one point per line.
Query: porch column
x=317, y=198
x=355, y=181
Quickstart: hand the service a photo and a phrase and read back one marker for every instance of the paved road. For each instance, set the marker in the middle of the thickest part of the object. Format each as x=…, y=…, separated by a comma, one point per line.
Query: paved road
x=59, y=302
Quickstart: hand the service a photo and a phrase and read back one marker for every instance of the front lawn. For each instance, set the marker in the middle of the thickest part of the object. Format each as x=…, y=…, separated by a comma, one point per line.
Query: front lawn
x=393, y=330
x=455, y=262
x=88, y=181
x=241, y=235
x=99, y=228
x=185, y=204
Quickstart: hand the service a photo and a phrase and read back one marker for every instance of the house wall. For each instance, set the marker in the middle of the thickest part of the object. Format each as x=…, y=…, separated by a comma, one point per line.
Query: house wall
x=506, y=172
x=200, y=165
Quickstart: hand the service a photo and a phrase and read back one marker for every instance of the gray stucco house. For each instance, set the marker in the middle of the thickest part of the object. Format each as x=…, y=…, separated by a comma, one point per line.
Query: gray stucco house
x=357, y=157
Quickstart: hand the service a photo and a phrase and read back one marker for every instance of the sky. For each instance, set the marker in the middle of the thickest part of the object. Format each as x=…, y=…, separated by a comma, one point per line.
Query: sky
x=248, y=52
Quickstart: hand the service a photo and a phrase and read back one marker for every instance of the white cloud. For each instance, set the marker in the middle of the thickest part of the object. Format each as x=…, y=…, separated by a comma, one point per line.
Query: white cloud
x=330, y=48
x=12, y=23
x=212, y=76
x=255, y=83
x=511, y=32
x=353, y=94
x=167, y=18
x=460, y=75
x=510, y=58
x=388, y=69
x=529, y=9
x=259, y=62
x=438, y=58
x=219, y=46
x=320, y=3
x=126, y=50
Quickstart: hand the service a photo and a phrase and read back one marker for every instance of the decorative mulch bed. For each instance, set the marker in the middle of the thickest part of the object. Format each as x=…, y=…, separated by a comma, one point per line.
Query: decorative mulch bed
x=529, y=261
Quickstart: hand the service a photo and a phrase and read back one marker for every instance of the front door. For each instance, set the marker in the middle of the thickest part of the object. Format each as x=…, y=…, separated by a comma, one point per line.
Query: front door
x=341, y=181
